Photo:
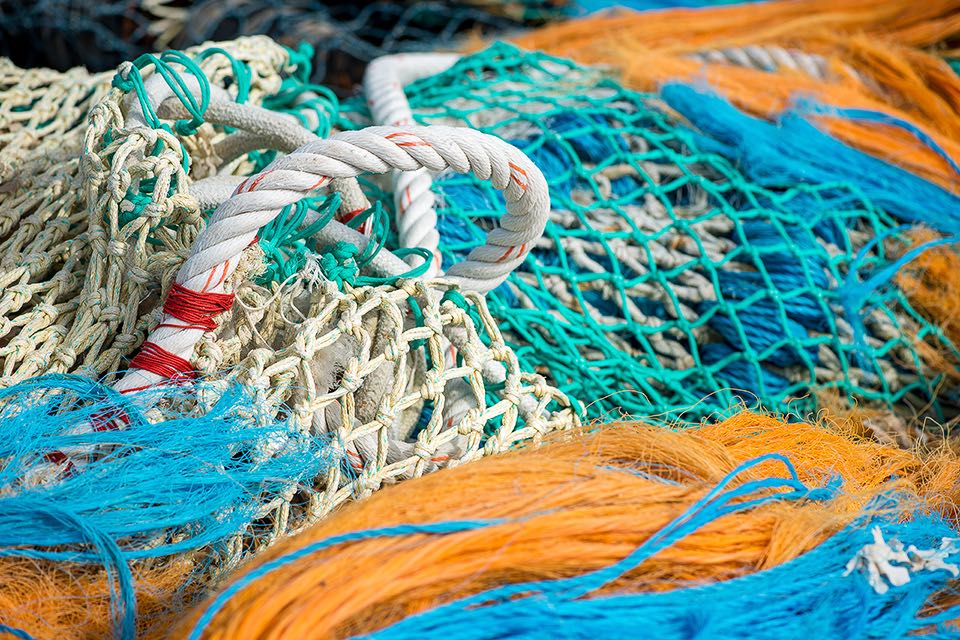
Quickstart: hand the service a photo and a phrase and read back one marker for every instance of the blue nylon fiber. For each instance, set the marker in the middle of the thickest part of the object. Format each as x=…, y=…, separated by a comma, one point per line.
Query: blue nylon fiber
x=854, y=292
x=719, y=283
x=151, y=490
x=746, y=380
x=793, y=151
x=867, y=115
x=16, y=633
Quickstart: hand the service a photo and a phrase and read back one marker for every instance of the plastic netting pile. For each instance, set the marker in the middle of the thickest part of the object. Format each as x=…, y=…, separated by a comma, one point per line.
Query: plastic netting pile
x=667, y=283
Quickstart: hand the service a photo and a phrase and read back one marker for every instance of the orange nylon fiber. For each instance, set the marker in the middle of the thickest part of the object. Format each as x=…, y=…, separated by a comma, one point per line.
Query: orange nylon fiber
x=580, y=502
x=69, y=601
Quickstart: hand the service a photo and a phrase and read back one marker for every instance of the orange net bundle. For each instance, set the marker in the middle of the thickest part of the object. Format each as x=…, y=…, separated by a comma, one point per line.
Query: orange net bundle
x=573, y=506
x=863, y=54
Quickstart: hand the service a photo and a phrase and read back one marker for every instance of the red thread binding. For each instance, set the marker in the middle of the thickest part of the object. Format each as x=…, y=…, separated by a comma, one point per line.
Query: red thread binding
x=196, y=309
x=158, y=360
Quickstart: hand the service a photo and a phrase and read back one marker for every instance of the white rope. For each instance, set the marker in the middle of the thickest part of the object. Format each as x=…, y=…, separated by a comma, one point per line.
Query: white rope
x=213, y=191
x=260, y=198
x=413, y=195
x=260, y=129
x=772, y=58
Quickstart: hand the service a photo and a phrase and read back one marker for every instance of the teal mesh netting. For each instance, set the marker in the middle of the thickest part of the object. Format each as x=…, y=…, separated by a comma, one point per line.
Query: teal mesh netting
x=667, y=283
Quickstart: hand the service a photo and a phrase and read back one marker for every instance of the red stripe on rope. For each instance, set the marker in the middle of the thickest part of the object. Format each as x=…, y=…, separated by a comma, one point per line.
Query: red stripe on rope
x=196, y=309
x=109, y=420
x=350, y=215
x=60, y=458
x=158, y=360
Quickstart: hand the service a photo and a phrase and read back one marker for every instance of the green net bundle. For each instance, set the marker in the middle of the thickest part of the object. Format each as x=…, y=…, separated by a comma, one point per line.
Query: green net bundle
x=667, y=283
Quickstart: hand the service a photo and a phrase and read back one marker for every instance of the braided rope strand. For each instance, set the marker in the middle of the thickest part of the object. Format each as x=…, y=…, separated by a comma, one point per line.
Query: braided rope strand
x=414, y=199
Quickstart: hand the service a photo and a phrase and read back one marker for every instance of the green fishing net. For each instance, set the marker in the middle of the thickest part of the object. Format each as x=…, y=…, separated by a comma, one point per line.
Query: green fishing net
x=666, y=283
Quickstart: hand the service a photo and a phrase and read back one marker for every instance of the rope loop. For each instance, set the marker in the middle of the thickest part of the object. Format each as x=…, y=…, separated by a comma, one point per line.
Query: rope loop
x=261, y=199
x=241, y=72
x=129, y=78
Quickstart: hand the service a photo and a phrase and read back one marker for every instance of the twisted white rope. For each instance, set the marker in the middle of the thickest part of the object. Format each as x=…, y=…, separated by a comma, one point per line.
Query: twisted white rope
x=413, y=196
x=259, y=199
x=213, y=191
x=259, y=128
x=767, y=58
x=771, y=58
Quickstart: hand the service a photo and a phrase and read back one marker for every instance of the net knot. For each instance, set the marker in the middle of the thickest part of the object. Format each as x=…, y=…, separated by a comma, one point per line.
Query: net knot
x=471, y=422
x=65, y=356
x=394, y=350
x=133, y=206
x=432, y=386
x=339, y=265
x=121, y=80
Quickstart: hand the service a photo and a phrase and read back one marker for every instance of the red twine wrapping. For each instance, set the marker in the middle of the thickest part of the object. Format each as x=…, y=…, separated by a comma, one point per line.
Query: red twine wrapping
x=109, y=420
x=195, y=308
x=158, y=360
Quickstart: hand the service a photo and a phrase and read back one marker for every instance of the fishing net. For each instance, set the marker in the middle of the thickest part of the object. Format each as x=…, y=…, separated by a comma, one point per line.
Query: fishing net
x=104, y=192
x=344, y=35
x=578, y=505
x=666, y=283
x=68, y=33
x=872, y=74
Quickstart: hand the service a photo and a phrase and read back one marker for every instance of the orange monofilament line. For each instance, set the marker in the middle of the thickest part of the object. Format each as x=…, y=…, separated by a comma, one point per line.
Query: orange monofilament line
x=932, y=284
x=874, y=52
x=70, y=601
x=578, y=503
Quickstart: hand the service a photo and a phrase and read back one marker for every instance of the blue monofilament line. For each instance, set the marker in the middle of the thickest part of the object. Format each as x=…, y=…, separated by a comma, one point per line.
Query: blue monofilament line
x=714, y=504
x=809, y=597
x=16, y=633
x=301, y=554
x=793, y=151
x=645, y=204
x=144, y=490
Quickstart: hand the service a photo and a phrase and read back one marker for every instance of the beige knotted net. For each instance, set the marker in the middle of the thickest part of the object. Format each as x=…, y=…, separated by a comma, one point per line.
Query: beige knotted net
x=97, y=215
